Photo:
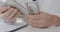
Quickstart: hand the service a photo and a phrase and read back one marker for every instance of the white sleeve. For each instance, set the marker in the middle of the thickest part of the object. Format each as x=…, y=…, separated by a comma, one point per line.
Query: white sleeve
x=51, y=7
x=19, y=4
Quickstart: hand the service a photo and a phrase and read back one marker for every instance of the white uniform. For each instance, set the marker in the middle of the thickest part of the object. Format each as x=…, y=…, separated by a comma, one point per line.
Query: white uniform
x=48, y=6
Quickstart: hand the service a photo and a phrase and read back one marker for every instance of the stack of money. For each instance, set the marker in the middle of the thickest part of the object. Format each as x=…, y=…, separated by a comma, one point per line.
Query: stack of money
x=32, y=8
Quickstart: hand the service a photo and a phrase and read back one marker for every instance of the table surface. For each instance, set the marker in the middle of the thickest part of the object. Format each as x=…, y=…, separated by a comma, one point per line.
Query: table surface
x=3, y=27
x=31, y=29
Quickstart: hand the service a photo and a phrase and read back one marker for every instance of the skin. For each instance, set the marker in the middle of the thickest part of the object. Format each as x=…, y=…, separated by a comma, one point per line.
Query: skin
x=42, y=20
x=9, y=14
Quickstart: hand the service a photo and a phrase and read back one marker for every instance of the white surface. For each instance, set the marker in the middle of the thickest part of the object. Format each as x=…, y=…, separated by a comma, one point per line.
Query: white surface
x=4, y=27
x=30, y=29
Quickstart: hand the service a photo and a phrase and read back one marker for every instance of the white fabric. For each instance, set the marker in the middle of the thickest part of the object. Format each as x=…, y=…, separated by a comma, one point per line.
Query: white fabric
x=48, y=6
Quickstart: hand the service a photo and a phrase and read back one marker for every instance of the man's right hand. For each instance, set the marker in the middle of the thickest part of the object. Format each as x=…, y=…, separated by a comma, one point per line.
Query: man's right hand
x=9, y=14
x=42, y=20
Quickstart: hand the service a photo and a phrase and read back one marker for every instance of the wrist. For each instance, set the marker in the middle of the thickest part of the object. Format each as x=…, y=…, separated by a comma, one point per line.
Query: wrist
x=56, y=21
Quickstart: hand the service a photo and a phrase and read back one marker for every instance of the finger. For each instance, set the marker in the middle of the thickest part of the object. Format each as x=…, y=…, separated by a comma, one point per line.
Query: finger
x=30, y=21
x=15, y=16
x=34, y=24
x=34, y=21
x=37, y=23
x=33, y=17
x=4, y=9
x=7, y=13
x=38, y=26
x=12, y=14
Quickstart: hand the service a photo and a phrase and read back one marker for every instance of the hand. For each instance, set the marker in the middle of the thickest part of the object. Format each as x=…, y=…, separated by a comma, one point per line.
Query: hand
x=9, y=14
x=42, y=20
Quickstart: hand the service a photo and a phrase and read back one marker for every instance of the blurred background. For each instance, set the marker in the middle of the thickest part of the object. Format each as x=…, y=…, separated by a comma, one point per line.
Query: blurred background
x=3, y=1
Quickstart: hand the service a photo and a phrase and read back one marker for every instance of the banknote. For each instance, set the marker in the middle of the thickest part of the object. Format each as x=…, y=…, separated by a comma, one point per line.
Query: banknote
x=33, y=8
